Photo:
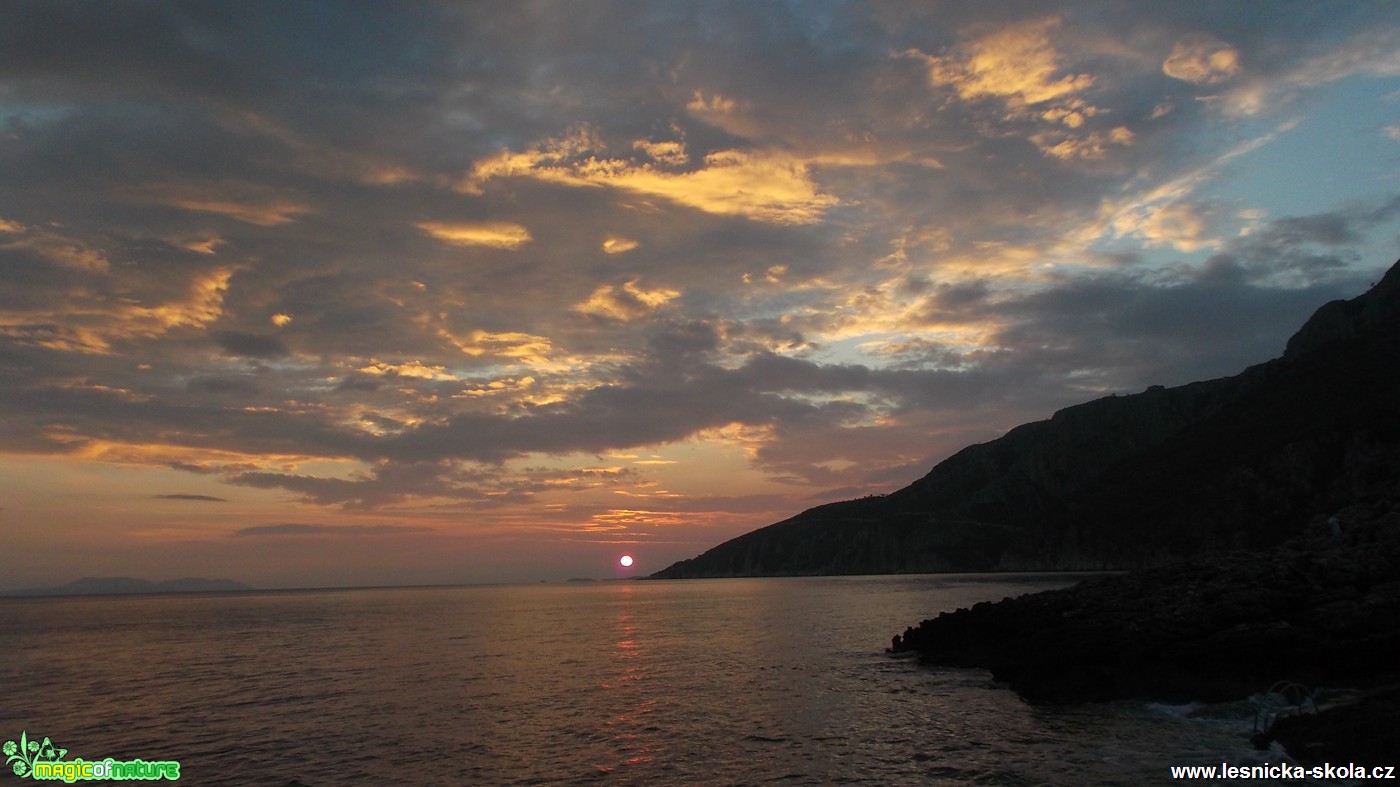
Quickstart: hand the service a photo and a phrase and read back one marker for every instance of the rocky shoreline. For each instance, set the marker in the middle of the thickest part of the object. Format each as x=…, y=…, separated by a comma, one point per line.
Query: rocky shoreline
x=1322, y=610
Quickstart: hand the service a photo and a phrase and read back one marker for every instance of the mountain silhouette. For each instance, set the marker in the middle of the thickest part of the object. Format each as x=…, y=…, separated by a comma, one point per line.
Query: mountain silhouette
x=1131, y=481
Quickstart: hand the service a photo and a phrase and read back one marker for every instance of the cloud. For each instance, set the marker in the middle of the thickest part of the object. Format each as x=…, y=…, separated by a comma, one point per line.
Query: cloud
x=251, y=345
x=1374, y=51
x=670, y=153
x=88, y=320
x=614, y=244
x=202, y=305
x=386, y=485
x=1017, y=64
x=1176, y=224
x=1169, y=214
x=1019, y=68
x=201, y=245
x=628, y=302
x=246, y=202
x=330, y=531
x=199, y=498
x=57, y=248
x=406, y=369
x=1202, y=59
x=392, y=482
x=517, y=346
x=493, y=234
x=242, y=386
x=1371, y=52
x=763, y=185
x=713, y=105
x=1094, y=145
x=1121, y=328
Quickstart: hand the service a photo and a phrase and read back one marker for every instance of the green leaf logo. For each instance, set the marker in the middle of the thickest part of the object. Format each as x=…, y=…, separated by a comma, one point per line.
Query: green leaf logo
x=21, y=756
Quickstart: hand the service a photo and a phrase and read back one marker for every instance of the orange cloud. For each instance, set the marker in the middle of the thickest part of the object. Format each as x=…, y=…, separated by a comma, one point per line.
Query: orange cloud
x=715, y=104
x=92, y=327
x=1017, y=63
x=616, y=244
x=765, y=185
x=1020, y=67
x=494, y=234
x=507, y=385
x=1175, y=224
x=670, y=153
x=203, y=305
x=1093, y=145
x=1202, y=59
x=1163, y=215
x=510, y=344
x=55, y=247
x=246, y=202
x=407, y=369
x=624, y=303
x=204, y=459
x=199, y=245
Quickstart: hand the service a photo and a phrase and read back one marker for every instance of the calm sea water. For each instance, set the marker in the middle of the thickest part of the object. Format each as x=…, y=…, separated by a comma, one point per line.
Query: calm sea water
x=699, y=682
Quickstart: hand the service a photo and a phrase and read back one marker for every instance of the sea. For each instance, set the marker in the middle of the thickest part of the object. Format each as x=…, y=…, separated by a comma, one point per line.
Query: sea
x=734, y=681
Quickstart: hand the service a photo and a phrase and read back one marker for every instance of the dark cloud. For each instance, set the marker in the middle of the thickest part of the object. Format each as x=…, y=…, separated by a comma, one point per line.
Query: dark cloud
x=387, y=483
x=250, y=345
x=360, y=383
x=1141, y=334
x=200, y=498
x=332, y=531
x=1307, y=250
x=238, y=386
x=394, y=482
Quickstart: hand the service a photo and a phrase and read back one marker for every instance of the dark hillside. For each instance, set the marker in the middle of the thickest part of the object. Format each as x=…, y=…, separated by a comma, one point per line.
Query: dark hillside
x=1128, y=481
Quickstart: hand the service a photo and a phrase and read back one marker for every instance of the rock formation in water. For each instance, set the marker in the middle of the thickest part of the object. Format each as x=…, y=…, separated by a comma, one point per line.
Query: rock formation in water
x=1132, y=481
x=1321, y=611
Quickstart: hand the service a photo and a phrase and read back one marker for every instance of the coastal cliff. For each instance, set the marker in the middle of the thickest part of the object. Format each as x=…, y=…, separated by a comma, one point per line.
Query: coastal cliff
x=1282, y=507
x=1240, y=462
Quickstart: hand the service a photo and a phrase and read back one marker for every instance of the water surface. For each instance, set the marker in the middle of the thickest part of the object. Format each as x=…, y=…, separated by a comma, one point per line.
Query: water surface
x=746, y=681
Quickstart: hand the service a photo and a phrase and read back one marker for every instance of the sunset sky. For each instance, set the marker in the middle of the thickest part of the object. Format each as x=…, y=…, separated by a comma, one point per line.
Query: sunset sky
x=403, y=293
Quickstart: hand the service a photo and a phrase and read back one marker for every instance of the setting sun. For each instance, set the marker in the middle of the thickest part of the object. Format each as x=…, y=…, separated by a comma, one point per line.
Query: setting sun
x=626, y=561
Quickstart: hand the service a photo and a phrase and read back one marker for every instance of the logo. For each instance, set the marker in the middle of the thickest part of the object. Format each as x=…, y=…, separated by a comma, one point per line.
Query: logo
x=42, y=761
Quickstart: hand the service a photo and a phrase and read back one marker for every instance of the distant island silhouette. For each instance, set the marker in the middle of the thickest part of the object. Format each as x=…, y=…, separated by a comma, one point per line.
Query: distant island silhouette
x=110, y=586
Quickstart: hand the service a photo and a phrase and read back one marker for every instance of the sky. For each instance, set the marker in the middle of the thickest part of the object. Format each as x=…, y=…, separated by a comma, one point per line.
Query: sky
x=341, y=294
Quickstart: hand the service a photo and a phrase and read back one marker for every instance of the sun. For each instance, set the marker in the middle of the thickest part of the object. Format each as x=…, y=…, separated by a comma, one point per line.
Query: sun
x=626, y=561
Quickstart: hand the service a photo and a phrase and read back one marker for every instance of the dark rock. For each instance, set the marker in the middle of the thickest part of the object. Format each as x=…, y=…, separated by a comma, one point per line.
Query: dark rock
x=1309, y=612
x=1363, y=730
